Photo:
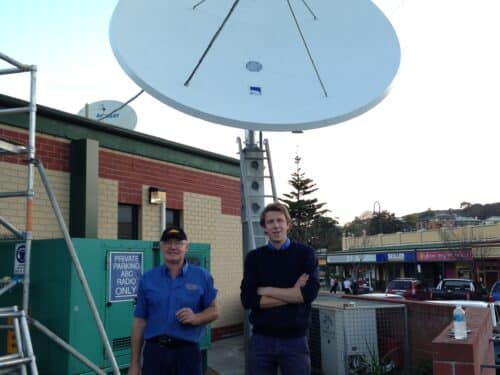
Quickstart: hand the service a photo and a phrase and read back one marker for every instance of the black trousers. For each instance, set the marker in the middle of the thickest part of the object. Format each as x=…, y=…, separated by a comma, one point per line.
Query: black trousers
x=171, y=360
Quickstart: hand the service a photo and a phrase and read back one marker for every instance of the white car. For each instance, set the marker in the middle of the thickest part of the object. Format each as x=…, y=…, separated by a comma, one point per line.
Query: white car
x=494, y=308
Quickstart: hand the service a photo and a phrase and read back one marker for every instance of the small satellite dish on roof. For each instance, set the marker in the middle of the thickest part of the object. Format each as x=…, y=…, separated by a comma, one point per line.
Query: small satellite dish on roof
x=259, y=65
x=110, y=112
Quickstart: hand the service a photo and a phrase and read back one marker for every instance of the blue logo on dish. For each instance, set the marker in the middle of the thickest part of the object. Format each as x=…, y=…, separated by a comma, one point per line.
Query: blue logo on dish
x=255, y=90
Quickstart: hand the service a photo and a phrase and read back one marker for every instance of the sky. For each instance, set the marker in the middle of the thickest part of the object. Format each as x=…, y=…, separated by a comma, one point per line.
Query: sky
x=431, y=143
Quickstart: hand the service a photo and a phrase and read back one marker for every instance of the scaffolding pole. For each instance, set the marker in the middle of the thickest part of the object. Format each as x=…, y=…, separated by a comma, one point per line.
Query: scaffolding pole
x=27, y=235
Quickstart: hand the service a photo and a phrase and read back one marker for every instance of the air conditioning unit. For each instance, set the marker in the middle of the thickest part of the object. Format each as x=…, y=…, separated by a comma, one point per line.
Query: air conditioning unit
x=351, y=334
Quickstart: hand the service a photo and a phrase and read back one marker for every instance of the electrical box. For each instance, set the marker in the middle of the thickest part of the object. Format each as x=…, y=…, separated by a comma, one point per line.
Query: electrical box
x=355, y=333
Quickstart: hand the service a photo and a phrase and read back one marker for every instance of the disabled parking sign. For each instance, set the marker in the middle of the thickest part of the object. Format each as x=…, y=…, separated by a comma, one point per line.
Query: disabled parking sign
x=125, y=271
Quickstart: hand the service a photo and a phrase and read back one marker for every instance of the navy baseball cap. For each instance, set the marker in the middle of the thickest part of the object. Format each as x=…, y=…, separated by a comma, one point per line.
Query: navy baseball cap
x=175, y=233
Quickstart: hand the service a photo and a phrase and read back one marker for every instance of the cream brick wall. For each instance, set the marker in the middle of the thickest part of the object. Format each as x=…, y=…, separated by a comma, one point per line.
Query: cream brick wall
x=150, y=218
x=108, y=209
x=204, y=222
x=14, y=178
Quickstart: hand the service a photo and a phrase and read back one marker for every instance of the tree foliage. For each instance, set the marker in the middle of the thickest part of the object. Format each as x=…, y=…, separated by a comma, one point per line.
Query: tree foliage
x=309, y=223
x=379, y=222
x=385, y=222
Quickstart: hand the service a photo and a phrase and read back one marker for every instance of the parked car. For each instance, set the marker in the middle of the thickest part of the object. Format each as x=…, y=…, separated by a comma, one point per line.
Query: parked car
x=361, y=287
x=409, y=288
x=494, y=292
x=459, y=289
x=384, y=295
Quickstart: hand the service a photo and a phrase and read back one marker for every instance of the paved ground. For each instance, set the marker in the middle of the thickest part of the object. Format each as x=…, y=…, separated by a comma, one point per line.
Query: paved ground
x=226, y=357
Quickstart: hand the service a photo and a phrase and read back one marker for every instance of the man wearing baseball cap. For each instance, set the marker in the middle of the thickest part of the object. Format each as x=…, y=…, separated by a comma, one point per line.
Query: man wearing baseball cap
x=174, y=303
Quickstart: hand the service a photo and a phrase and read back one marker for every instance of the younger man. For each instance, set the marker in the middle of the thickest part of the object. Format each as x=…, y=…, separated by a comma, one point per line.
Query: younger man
x=280, y=280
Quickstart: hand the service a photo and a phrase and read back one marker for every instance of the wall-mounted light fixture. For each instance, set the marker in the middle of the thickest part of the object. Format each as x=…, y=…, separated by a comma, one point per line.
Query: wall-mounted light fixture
x=157, y=195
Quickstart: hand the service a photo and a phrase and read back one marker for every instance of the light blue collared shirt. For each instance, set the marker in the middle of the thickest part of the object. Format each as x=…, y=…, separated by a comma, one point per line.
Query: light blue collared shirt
x=285, y=246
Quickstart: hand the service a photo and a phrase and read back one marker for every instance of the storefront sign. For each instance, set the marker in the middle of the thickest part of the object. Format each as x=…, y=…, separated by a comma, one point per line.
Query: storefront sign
x=352, y=258
x=125, y=272
x=396, y=257
x=401, y=256
x=443, y=256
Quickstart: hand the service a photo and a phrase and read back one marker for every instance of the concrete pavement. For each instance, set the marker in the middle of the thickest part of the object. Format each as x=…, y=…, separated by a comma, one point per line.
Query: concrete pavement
x=227, y=357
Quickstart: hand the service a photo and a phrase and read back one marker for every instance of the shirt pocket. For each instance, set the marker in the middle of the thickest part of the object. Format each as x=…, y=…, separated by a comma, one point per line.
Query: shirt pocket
x=156, y=298
x=190, y=298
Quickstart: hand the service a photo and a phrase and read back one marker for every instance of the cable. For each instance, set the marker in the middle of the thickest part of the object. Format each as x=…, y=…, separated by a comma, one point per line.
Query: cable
x=211, y=42
x=120, y=107
x=307, y=49
x=198, y=3
x=308, y=8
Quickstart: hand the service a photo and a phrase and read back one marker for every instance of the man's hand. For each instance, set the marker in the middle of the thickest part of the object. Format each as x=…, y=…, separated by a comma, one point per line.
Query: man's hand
x=261, y=291
x=186, y=316
x=134, y=369
x=301, y=281
x=268, y=291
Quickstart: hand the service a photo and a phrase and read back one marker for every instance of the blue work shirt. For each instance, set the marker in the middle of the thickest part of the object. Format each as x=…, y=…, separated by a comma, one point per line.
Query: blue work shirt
x=159, y=297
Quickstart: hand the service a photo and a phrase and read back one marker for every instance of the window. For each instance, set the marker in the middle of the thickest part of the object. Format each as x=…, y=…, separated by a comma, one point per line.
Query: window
x=127, y=222
x=173, y=217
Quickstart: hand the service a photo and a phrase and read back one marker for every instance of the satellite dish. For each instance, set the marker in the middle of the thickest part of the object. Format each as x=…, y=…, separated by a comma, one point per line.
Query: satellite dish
x=106, y=111
x=259, y=65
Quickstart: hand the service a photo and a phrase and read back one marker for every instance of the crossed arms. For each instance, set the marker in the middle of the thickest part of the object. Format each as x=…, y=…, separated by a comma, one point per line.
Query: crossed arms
x=274, y=297
x=255, y=294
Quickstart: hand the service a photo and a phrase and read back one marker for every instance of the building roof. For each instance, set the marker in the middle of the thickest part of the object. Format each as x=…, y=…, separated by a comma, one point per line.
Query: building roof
x=61, y=124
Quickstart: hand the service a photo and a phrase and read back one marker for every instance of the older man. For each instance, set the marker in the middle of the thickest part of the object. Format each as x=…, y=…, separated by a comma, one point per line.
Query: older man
x=174, y=302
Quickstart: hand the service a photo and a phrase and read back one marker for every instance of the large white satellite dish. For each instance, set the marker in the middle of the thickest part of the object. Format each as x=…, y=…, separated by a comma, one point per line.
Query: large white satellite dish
x=276, y=65
x=111, y=112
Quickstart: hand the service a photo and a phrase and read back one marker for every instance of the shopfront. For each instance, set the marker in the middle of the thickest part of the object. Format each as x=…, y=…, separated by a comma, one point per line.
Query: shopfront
x=355, y=266
x=435, y=265
x=392, y=265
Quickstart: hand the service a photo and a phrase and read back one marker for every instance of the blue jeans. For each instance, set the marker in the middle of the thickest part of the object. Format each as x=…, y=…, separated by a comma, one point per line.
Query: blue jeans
x=185, y=360
x=267, y=354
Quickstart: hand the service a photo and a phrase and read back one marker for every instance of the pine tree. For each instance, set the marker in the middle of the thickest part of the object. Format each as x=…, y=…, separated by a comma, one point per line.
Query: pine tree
x=303, y=210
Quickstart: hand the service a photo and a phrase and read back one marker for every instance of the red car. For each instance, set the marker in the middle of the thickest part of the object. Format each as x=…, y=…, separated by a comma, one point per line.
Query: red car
x=409, y=288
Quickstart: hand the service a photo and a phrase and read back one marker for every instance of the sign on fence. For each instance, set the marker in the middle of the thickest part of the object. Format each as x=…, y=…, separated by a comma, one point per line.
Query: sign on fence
x=19, y=255
x=125, y=271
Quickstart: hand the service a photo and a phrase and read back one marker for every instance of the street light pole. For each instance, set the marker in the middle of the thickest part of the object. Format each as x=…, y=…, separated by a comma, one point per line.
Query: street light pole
x=376, y=203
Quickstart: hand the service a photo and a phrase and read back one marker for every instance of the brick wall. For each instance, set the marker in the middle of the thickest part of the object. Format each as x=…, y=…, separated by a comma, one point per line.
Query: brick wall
x=132, y=173
x=204, y=222
x=53, y=152
x=108, y=209
x=14, y=178
x=464, y=357
x=150, y=217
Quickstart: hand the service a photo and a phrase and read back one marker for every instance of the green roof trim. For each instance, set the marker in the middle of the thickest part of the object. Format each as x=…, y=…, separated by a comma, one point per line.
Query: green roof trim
x=73, y=127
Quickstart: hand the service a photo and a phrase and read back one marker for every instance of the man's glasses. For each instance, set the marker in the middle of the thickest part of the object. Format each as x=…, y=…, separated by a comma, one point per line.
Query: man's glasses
x=174, y=243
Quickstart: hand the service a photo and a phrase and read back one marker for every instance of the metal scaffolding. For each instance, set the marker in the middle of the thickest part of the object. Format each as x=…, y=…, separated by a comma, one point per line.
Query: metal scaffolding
x=25, y=355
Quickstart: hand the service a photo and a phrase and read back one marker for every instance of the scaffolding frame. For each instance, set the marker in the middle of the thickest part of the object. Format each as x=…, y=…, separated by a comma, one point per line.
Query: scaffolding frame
x=7, y=148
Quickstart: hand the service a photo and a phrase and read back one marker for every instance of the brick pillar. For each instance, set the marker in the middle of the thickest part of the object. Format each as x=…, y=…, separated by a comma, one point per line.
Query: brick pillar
x=464, y=357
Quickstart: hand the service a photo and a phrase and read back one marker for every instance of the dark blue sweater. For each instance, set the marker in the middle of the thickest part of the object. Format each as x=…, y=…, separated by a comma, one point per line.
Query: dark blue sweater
x=280, y=269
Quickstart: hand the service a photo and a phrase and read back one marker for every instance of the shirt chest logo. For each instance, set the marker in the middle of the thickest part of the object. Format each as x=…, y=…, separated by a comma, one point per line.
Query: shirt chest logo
x=191, y=286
